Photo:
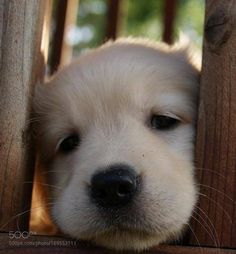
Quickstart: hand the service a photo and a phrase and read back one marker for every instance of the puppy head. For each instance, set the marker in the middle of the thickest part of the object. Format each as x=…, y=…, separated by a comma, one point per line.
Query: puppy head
x=115, y=133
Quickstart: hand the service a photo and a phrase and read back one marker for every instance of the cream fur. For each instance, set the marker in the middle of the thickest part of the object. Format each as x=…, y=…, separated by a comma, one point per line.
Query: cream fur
x=107, y=96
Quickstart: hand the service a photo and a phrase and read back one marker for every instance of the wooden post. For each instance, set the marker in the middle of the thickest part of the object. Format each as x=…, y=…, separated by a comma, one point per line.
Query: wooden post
x=20, y=66
x=216, y=132
x=47, y=20
x=169, y=19
x=112, y=19
x=58, y=35
x=70, y=20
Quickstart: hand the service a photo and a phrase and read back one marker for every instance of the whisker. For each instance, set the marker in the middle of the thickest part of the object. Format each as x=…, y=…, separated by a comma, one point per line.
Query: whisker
x=222, y=193
x=44, y=184
x=218, y=205
x=211, y=223
x=198, y=243
x=55, y=171
x=212, y=171
x=22, y=213
x=208, y=229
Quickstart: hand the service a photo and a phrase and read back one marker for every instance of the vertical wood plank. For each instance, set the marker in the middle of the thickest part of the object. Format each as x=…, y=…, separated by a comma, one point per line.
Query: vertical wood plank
x=47, y=21
x=112, y=18
x=70, y=21
x=169, y=19
x=58, y=35
x=20, y=66
x=216, y=132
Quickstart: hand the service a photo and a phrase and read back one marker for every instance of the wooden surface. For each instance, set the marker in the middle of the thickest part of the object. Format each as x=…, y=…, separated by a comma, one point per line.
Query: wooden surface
x=70, y=21
x=112, y=19
x=216, y=135
x=46, y=244
x=169, y=21
x=59, y=19
x=47, y=21
x=20, y=61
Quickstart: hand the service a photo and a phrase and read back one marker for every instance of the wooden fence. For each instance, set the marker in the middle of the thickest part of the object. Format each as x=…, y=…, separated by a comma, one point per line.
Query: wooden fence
x=21, y=61
x=21, y=65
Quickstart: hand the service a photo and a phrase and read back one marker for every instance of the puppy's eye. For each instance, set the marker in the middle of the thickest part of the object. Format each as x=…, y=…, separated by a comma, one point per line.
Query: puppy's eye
x=69, y=143
x=161, y=122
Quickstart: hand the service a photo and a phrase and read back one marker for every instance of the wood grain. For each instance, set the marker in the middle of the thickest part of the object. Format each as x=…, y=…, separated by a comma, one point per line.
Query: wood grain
x=216, y=131
x=20, y=66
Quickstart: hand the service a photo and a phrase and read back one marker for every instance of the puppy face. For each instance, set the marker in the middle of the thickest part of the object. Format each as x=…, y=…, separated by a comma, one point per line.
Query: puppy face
x=115, y=134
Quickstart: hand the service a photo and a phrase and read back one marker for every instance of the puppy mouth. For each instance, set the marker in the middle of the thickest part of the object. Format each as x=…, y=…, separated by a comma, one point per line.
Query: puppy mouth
x=126, y=238
x=122, y=223
x=122, y=231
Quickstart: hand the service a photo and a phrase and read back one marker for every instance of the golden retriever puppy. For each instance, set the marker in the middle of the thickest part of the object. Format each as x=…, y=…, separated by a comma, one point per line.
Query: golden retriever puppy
x=115, y=133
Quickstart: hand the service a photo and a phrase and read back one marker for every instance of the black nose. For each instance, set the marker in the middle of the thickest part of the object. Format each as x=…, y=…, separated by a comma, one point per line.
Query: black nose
x=115, y=186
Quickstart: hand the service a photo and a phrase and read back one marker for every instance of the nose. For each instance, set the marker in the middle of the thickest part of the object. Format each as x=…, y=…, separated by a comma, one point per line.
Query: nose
x=115, y=186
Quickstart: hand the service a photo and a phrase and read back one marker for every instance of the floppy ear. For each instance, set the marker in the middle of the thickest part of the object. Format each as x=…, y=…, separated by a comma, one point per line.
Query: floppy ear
x=37, y=108
x=39, y=97
x=37, y=89
x=42, y=104
x=40, y=221
x=190, y=60
x=187, y=52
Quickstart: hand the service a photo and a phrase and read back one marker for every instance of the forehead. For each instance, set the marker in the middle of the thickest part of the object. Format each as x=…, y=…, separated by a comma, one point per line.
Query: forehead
x=125, y=70
x=123, y=64
x=124, y=78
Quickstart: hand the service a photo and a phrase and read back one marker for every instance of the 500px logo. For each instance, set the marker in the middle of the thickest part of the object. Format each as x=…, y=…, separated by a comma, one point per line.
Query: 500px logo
x=20, y=234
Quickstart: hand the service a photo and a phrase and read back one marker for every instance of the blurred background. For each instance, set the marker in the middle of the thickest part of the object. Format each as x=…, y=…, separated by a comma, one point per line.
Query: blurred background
x=79, y=25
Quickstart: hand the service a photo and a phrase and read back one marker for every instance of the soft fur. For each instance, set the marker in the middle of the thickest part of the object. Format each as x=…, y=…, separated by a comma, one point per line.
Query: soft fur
x=107, y=96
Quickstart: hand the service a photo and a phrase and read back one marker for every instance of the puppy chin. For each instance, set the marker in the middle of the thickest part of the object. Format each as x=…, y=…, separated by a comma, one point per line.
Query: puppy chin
x=123, y=237
x=120, y=239
x=127, y=240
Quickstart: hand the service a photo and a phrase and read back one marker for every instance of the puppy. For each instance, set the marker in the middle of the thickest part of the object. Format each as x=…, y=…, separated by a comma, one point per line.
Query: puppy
x=115, y=134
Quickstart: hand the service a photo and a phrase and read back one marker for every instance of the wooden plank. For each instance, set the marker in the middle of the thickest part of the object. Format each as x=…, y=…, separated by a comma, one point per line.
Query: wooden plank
x=20, y=66
x=216, y=132
x=58, y=35
x=70, y=21
x=169, y=20
x=47, y=244
x=46, y=30
x=112, y=18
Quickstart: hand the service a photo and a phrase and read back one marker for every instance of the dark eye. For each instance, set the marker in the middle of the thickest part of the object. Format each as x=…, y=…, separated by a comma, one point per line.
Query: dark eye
x=160, y=122
x=69, y=143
